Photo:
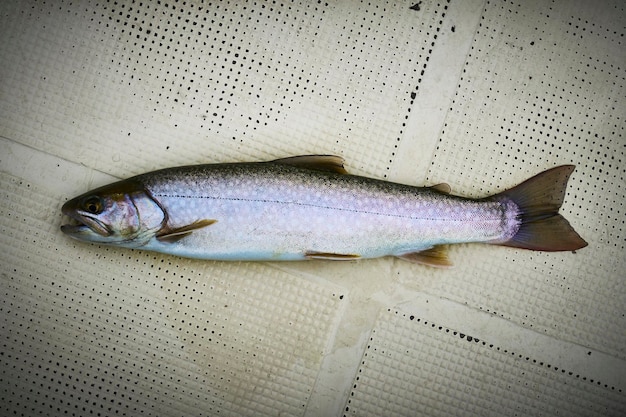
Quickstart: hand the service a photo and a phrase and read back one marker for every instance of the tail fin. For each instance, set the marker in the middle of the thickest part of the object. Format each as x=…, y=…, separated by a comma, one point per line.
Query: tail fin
x=539, y=200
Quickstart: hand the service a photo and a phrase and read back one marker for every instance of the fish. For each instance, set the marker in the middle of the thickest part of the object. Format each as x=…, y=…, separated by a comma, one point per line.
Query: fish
x=309, y=207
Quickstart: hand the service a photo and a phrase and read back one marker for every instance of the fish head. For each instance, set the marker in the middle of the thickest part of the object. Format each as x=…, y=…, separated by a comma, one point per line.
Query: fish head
x=123, y=213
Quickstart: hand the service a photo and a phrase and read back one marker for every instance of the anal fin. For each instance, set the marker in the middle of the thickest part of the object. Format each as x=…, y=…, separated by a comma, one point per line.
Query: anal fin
x=437, y=256
x=168, y=235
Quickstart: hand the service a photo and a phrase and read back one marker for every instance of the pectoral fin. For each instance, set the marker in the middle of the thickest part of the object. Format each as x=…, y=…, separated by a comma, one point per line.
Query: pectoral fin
x=331, y=256
x=168, y=235
x=327, y=163
x=436, y=256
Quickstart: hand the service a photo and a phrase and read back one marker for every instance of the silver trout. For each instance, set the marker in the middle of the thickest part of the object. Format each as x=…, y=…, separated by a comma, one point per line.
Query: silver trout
x=309, y=207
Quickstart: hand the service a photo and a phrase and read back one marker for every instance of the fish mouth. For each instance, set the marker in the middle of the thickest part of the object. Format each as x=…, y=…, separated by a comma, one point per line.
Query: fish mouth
x=82, y=223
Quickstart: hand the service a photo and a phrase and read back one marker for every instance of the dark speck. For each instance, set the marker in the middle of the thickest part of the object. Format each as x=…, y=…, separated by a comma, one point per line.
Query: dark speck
x=453, y=28
x=416, y=6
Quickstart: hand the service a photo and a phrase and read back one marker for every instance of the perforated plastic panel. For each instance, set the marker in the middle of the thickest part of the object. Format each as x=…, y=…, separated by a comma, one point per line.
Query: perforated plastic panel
x=478, y=94
x=439, y=371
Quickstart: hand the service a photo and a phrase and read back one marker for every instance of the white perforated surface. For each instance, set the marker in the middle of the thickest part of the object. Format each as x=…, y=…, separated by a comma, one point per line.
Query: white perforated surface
x=479, y=94
x=412, y=364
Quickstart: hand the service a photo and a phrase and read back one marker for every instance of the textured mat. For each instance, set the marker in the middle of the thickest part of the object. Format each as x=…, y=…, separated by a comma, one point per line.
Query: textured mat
x=478, y=94
x=413, y=365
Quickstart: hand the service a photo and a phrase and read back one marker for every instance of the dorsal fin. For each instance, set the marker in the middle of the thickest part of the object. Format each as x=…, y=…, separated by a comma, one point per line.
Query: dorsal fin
x=326, y=163
x=442, y=188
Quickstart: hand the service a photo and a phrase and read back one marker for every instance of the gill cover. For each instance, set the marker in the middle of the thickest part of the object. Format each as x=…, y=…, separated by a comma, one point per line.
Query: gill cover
x=123, y=213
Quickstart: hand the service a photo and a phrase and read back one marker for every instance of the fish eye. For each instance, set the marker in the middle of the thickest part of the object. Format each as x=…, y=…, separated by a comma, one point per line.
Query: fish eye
x=93, y=205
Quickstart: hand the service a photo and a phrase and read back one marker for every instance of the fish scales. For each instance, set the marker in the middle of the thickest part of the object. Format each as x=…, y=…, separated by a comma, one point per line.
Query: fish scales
x=280, y=211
